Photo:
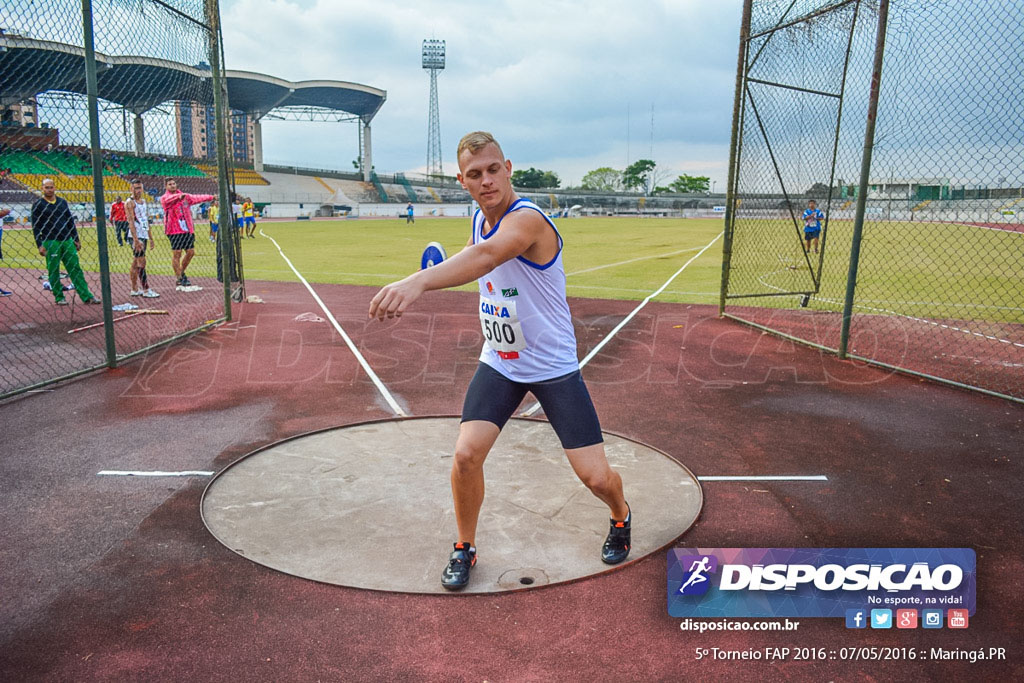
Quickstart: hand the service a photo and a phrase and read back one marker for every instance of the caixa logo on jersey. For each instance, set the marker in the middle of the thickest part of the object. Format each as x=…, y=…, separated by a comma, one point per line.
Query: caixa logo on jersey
x=816, y=582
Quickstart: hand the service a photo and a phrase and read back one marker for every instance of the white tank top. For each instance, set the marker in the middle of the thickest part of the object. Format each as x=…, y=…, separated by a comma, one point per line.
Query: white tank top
x=527, y=326
x=141, y=220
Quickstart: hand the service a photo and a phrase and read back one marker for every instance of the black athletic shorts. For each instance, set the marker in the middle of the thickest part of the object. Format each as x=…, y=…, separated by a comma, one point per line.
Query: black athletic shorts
x=183, y=241
x=493, y=397
x=139, y=248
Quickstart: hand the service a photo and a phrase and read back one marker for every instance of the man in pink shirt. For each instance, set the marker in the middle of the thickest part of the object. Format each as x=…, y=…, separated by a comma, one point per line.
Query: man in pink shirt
x=178, y=227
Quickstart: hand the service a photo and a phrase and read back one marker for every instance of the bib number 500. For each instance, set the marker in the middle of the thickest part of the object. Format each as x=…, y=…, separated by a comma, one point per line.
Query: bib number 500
x=499, y=333
x=501, y=327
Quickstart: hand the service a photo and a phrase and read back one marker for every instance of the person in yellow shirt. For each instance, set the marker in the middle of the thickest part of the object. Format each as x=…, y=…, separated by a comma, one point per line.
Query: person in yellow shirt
x=249, y=218
x=214, y=216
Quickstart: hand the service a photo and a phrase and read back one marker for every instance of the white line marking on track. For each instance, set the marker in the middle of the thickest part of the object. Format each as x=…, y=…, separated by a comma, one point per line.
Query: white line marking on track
x=154, y=473
x=593, y=352
x=794, y=477
x=351, y=345
x=632, y=260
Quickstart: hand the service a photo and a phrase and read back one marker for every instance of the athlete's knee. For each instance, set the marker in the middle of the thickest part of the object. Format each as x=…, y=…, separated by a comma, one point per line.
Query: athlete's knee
x=600, y=481
x=469, y=458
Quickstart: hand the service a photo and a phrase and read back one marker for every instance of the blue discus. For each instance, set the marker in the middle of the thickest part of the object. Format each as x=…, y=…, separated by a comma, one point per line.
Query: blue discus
x=432, y=255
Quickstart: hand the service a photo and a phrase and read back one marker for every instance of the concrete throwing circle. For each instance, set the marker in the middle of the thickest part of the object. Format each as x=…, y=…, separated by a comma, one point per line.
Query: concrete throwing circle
x=369, y=506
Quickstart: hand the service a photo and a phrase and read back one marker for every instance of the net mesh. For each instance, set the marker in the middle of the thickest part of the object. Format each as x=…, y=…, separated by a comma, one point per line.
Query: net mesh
x=939, y=287
x=155, y=123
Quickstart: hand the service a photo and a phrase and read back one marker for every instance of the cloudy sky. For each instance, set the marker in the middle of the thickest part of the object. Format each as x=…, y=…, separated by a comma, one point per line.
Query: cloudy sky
x=565, y=86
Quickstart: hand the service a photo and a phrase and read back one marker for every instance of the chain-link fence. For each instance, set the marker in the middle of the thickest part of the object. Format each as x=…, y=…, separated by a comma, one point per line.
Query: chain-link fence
x=107, y=108
x=901, y=121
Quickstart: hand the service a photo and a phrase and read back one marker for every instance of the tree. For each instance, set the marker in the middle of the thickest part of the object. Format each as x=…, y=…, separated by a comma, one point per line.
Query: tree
x=603, y=179
x=817, y=190
x=689, y=183
x=534, y=178
x=641, y=175
x=551, y=179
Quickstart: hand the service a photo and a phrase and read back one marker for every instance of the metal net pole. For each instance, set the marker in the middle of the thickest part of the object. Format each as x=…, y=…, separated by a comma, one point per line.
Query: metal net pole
x=865, y=174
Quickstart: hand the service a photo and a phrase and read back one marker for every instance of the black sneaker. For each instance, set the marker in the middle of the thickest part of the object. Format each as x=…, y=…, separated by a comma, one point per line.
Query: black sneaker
x=185, y=282
x=456, y=574
x=616, y=546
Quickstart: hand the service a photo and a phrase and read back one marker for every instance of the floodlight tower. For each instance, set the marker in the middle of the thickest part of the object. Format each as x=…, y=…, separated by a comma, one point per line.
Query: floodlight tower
x=433, y=59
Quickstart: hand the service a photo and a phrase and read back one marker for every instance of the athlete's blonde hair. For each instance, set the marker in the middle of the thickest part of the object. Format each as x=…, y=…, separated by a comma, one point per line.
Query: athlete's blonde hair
x=476, y=141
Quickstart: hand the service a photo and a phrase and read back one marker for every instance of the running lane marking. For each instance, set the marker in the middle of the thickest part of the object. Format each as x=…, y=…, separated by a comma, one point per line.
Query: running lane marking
x=597, y=349
x=352, y=347
x=154, y=473
x=772, y=477
x=632, y=260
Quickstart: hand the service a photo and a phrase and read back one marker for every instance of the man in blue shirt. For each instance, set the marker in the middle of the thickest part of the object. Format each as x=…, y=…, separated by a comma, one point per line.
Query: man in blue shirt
x=812, y=226
x=409, y=214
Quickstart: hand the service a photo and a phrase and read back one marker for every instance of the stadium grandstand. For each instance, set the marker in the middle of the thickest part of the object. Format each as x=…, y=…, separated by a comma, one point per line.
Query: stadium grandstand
x=31, y=70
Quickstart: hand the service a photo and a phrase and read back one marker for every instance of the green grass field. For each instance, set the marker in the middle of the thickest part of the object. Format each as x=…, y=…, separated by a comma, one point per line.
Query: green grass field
x=929, y=270
x=926, y=270
x=381, y=251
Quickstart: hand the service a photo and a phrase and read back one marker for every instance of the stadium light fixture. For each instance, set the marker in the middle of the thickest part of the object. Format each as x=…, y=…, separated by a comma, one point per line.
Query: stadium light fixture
x=433, y=54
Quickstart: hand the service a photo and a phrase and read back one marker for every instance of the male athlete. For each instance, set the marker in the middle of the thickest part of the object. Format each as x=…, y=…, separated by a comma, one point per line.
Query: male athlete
x=214, y=216
x=236, y=211
x=137, y=211
x=812, y=226
x=515, y=254
x=177, y=206
x=53, y=226
x=120, y=220
x=250, y=218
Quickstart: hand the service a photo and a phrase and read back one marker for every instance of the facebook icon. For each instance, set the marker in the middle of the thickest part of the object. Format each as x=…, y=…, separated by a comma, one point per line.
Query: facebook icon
x=856, y=618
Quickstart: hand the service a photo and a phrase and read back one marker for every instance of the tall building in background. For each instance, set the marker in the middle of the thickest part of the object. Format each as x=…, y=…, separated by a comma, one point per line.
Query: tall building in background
x=23, y=113
x=196, y=132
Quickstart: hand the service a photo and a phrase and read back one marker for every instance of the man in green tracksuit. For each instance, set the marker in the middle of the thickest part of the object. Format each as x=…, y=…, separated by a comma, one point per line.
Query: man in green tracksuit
x=57, y=240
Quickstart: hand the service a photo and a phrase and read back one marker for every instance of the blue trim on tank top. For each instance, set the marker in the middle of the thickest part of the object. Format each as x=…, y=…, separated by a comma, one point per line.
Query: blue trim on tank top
x=513, y=207
x=473, y=229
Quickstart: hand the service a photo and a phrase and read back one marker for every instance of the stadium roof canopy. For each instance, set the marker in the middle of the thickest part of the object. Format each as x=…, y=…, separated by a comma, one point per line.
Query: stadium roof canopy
x=29, y=67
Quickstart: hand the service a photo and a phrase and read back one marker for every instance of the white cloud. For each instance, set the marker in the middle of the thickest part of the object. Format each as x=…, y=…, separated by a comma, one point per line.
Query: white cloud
x=552, y=80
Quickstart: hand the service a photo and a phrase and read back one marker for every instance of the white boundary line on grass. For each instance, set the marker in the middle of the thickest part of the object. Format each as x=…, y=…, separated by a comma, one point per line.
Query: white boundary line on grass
x=632, y=260
x=597, y=349
x=352, y=347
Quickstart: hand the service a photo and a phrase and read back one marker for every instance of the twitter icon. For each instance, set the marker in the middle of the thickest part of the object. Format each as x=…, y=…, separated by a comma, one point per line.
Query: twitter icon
x=881, y=618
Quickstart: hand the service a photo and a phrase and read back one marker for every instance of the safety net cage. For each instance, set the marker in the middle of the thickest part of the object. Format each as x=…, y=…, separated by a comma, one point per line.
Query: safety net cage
x=901, y=121
x=112, y=166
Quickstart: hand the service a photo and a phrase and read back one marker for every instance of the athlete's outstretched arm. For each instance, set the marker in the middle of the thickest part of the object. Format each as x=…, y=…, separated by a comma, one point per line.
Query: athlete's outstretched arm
x=519, y=231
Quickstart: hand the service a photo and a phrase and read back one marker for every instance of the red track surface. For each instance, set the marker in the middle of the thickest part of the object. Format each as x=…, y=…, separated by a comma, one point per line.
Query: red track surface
x=111, y=578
